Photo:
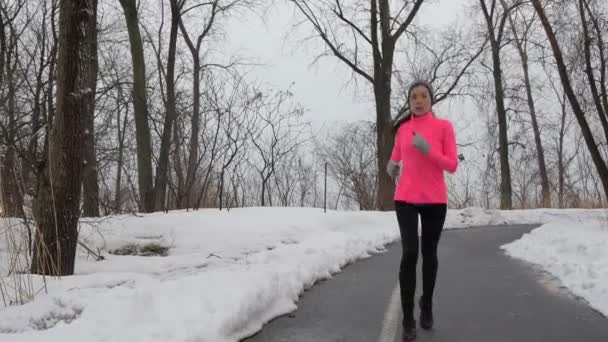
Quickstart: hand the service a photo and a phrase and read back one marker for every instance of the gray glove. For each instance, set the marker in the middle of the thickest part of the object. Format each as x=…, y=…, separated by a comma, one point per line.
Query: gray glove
x=393, y=169
x=421, y=144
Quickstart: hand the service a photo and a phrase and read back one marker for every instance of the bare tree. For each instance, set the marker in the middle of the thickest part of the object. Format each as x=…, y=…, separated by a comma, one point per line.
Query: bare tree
x=351, y=156
x=114, y=139
x=379, y=34
x=280, y=133
x=237, y=122
x=12, y=199
x=305, y=180
x=285, y=180
x=121, y=135
x=590, y=35
x=495, y=23
x=592, y=146
x=521, y=43
x=524, y=180
x=160, y=183
x=49, y=99
x=490, y=184
x=140, y=100
x=460, y=189
x=445, y=58
x=563, y=162
x=229, y=119
x=195, y=51
x=562, y=128
x=365, y=35
x=39, y=50
x=590, y=188
x=90, y=183
x=57, y=207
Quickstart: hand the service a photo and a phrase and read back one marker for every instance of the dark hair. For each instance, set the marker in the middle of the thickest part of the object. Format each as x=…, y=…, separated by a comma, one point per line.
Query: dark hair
x=407, y=116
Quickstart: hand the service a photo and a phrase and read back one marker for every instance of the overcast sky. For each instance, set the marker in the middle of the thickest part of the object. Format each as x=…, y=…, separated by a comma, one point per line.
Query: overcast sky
x=320, y=88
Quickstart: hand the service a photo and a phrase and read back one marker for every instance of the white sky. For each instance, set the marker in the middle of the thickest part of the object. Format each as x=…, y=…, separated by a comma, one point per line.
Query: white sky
x=320, y=88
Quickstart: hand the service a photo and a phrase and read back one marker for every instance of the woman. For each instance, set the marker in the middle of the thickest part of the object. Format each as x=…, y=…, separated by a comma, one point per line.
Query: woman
x=425, y=146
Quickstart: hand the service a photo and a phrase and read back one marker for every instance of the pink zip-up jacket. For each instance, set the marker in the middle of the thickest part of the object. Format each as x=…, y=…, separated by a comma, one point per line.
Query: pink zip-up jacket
x=422, y=178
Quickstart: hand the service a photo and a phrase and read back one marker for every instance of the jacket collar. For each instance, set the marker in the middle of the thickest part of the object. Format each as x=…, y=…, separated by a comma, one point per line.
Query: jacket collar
x=422, y=117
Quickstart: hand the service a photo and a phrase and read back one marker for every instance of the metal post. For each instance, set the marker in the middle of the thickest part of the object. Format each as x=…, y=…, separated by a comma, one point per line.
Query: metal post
x=325, y=191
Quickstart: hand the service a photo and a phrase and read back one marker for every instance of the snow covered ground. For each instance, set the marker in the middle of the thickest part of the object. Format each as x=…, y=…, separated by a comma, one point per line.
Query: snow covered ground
x=576, y=255
x=227, y=273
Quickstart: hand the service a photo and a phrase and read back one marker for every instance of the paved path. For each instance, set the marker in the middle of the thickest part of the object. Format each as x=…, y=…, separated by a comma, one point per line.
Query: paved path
x=481, y=295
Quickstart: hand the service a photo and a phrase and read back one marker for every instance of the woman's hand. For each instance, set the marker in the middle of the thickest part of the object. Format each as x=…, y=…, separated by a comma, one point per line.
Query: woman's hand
x=420, y=143
x=393, y=169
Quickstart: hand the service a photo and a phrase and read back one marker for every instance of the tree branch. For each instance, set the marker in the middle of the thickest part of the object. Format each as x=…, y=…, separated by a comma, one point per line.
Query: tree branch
x=338, y=12
x=310, y=16
x=407, y=21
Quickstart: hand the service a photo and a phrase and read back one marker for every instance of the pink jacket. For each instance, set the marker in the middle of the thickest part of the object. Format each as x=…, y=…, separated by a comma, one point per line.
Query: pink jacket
x=422, y=178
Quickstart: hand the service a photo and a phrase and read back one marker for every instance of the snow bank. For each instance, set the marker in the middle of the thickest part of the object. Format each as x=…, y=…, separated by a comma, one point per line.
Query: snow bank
x=575, y=253
x=226, y=273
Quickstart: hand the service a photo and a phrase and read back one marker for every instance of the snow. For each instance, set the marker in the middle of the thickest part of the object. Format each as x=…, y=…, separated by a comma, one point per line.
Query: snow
x=573, y=252
x=229, y=272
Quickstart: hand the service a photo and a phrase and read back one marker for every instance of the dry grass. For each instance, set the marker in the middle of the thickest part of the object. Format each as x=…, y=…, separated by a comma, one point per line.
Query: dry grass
x=148, y=249
x=16, y=283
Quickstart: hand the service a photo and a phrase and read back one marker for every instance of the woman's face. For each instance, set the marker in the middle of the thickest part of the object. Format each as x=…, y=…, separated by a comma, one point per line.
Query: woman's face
x=420, y=100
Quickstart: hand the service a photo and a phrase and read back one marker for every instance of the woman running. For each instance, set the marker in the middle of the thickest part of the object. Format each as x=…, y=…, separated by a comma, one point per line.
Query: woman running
x=425, y=147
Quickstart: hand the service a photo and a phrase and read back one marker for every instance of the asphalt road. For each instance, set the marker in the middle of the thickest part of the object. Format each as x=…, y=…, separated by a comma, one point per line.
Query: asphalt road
x=481, y=295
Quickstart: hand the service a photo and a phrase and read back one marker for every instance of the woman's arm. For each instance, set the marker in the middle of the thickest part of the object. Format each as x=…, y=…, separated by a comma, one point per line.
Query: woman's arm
x=446, y=157
x=393, y=168
x=396, y=154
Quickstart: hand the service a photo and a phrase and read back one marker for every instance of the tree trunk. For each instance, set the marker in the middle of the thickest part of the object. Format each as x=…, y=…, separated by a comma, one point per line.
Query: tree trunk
x=540, y=152
x=221, y=190
x=57, y=206
x=37, y=112
x=546, y=190
x=506, y=200
x=235, y=190
x=383, y=71
x=178, y=167
x=160, y=184
x=118, y=187
x=204, y=193
x=589, y=71
x=506, y=195
x=121, y=134
x=269, y=193
x=602, y=56
x=50, y=96
x=385, y=140
x=562, y=162
x=195, y=129
x=600, y=164
x=193, y=160
x=3, y=196
x=519, y=43
x=263, y=192
x=142, y=129
x=12, y=197
x=3, y=48
x=90, y=186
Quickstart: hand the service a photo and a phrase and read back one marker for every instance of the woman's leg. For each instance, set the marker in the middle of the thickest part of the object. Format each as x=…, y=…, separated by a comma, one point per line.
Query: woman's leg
x=407, y=216
x=433, y=219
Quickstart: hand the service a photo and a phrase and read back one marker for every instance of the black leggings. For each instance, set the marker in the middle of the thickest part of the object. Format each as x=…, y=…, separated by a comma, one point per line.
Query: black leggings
x=433, y=218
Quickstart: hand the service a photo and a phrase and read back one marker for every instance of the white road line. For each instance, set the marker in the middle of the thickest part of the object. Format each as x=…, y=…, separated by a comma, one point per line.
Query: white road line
x=391, y=317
